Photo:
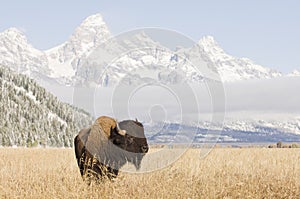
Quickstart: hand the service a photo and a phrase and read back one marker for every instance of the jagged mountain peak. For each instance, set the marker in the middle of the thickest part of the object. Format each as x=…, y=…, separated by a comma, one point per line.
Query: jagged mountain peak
x=210, y=45
x=18, y=54
x=13, y=31
x=232, y=68
x=208, y=40
x=63, y=62
x=14, y=35
x=93, y=20
x=93, y=26
x=15, y=41
x=65, y=58
x=92, y=31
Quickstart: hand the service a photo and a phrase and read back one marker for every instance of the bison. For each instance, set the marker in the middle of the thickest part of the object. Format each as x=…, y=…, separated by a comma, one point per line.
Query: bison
x=107, y=145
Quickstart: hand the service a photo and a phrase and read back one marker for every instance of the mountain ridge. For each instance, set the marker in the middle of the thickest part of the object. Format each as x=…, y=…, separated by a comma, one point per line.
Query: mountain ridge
x=62, y=63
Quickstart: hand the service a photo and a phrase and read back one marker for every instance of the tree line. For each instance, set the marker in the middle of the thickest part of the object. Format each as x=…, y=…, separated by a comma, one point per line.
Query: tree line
x=31, y=116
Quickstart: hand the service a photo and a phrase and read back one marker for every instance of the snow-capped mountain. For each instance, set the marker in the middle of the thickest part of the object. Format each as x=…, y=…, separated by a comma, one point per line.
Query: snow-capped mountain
x=72, y=62
x=133, y=58
x=294, y=73
x=19, y=55
x=232, y=68
x=65, y=58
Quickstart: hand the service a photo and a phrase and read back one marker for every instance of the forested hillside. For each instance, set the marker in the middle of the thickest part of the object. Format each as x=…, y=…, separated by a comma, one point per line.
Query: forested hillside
x=31, y=116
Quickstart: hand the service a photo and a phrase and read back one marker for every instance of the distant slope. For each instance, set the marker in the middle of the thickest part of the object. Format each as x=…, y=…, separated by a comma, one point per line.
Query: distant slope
x=31, y=116
x=294, y=73
x=237, y=131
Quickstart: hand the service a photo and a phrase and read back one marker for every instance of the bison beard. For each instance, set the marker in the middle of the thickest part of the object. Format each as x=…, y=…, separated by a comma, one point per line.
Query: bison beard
x=101, y=154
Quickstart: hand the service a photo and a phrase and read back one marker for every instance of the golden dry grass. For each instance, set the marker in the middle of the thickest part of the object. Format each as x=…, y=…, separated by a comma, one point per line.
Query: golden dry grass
x=224, y=173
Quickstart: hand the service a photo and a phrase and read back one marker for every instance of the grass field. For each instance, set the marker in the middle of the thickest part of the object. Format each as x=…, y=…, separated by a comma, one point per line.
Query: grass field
x=224, y=173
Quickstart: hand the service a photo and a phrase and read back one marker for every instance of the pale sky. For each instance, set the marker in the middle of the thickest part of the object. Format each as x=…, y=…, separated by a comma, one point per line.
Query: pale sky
x=268, y=32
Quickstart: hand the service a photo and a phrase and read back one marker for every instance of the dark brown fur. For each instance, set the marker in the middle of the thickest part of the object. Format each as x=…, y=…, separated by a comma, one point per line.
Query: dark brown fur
x=99, y=156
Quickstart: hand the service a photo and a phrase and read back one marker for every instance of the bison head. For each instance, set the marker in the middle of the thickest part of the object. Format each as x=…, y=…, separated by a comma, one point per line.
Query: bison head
x=133, y=142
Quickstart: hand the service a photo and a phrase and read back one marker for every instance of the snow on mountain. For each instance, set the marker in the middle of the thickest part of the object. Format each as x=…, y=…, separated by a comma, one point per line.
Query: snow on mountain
x=233, y=131
x=231, y=68
x=67, y=63
x=287, y=126
x=64, y=59
x=138, y=41
x=19, y=55
x=294, y=73
x=135, y=58
x=84, y=57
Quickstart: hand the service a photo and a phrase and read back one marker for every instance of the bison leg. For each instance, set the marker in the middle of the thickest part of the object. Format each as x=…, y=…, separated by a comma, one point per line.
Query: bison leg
x=112, y=173
x=80, y=153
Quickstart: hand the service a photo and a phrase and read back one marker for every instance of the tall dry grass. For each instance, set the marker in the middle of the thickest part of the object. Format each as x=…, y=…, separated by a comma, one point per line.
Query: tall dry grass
x=224, y=173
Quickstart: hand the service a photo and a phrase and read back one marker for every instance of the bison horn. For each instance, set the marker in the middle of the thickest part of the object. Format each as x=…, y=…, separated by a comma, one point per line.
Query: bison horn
x=120, y=131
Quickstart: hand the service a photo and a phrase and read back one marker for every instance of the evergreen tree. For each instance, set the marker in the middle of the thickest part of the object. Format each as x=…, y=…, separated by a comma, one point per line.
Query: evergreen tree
x=44, y=121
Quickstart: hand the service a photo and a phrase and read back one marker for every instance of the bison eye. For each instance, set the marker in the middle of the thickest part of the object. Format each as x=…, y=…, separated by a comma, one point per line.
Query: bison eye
x=130, y=140
x=117, y=141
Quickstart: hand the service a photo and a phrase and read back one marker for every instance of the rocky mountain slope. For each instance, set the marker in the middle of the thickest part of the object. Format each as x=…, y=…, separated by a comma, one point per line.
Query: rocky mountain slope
x=67, y=63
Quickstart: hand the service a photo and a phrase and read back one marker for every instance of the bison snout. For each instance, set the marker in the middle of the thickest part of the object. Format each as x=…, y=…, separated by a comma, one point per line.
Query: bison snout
x=145, y=149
